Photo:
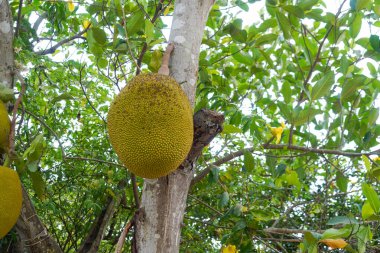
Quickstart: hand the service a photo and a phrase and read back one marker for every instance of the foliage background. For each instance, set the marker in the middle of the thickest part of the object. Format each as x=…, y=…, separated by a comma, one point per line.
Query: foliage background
x=299, y=64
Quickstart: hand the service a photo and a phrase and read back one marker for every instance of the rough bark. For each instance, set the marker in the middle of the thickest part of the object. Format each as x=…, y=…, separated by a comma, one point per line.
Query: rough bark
x=33, y=235
x=94, y=237
x=163, y=202
x=98, y=228
x=6, y=45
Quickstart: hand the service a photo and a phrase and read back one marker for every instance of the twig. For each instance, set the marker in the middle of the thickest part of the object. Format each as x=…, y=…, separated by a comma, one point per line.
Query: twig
x=56, y=46
x=284, y=147
x=14, y=113
x=120, y=242
x=18, y=18
x=50, y=130
x=206, y=205
x=266, y=243
x=87, y=98
x=93, y=160
x=286, y=231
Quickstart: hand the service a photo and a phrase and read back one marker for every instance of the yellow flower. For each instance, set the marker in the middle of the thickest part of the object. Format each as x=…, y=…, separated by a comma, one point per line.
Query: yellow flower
x=376, y=159
x=71, y=5
x=229, y=249
x=277, y=132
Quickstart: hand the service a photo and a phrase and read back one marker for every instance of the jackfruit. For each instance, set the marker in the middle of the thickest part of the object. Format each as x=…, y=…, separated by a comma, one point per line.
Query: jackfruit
x=150, y=125
x=5, y=126
x=10, y=199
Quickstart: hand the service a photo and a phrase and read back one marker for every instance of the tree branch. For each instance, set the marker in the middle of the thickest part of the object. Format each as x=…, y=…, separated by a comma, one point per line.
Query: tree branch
x=56, y=46
x=290, y=231
x=284, y=147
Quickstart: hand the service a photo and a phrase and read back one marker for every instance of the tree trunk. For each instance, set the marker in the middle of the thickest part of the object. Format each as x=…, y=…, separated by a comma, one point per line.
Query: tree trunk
x=6, y=45
x=32, y=234
x=158, y=224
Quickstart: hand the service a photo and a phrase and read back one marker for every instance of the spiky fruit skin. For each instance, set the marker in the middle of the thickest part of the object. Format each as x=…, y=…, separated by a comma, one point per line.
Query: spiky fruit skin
x=150, y=125
x=5, y=126
x=10, y=199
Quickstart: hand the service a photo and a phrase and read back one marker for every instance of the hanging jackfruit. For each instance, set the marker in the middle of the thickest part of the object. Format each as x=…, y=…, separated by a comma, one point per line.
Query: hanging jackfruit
x=150, y=125
x=10, y=199
x=5, y=126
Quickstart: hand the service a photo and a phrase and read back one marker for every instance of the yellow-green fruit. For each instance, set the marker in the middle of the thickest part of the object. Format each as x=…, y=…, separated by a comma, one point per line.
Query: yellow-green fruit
x=150, y=124
x=5, y=126
x=10, y=199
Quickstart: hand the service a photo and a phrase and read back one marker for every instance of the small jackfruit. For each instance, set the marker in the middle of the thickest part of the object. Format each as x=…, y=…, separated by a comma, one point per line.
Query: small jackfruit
x=150, y=125
x=10, y=199
x=5, y=126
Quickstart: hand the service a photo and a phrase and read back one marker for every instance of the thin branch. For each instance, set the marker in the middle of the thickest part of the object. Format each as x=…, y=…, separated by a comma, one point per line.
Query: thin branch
x=286, y=231
x=319, y=151
x=206, y=205
x=87, y=98
x=50, y=130
x=266, y=243
x=93, y=160
x=18, y=18
x=282, y=240
x=56, y=46
x=120, y=243
x=284, y=147
x=14, y=113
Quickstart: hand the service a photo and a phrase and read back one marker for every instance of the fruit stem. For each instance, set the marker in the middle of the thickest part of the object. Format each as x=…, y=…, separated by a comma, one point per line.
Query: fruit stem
x=164, y=69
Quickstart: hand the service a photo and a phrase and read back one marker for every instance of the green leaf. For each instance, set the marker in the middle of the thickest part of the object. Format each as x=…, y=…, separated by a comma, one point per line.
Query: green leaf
x=284, y=24
x=372, y=69
x=374, y=40
x=291, y=177
x=213, y=176
x=149, y=31
x=231, y=129
x=372, y=197
x=364, y=235
x=304, y=116
x=64, y=96
x=266, y=39
x=224, y=198
x=285, y=111
x=361, y=4
x=339, y=220
x=241, y=56
x=242, y=5
x=135, y=23
x=286, y=92
x=333, y=233
x=323, y=86
x=39, y=185
x=237, y=34
x=372, y=116
x=310, y=243
x=307, y=4
x=249, y=161
x=341, y=181
x=356, y=25
x=155, y=61
x=367, y=162
x=367, y=211
x=295, y=10
x=351, y=86
x=99, y=35
x=34, y=152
